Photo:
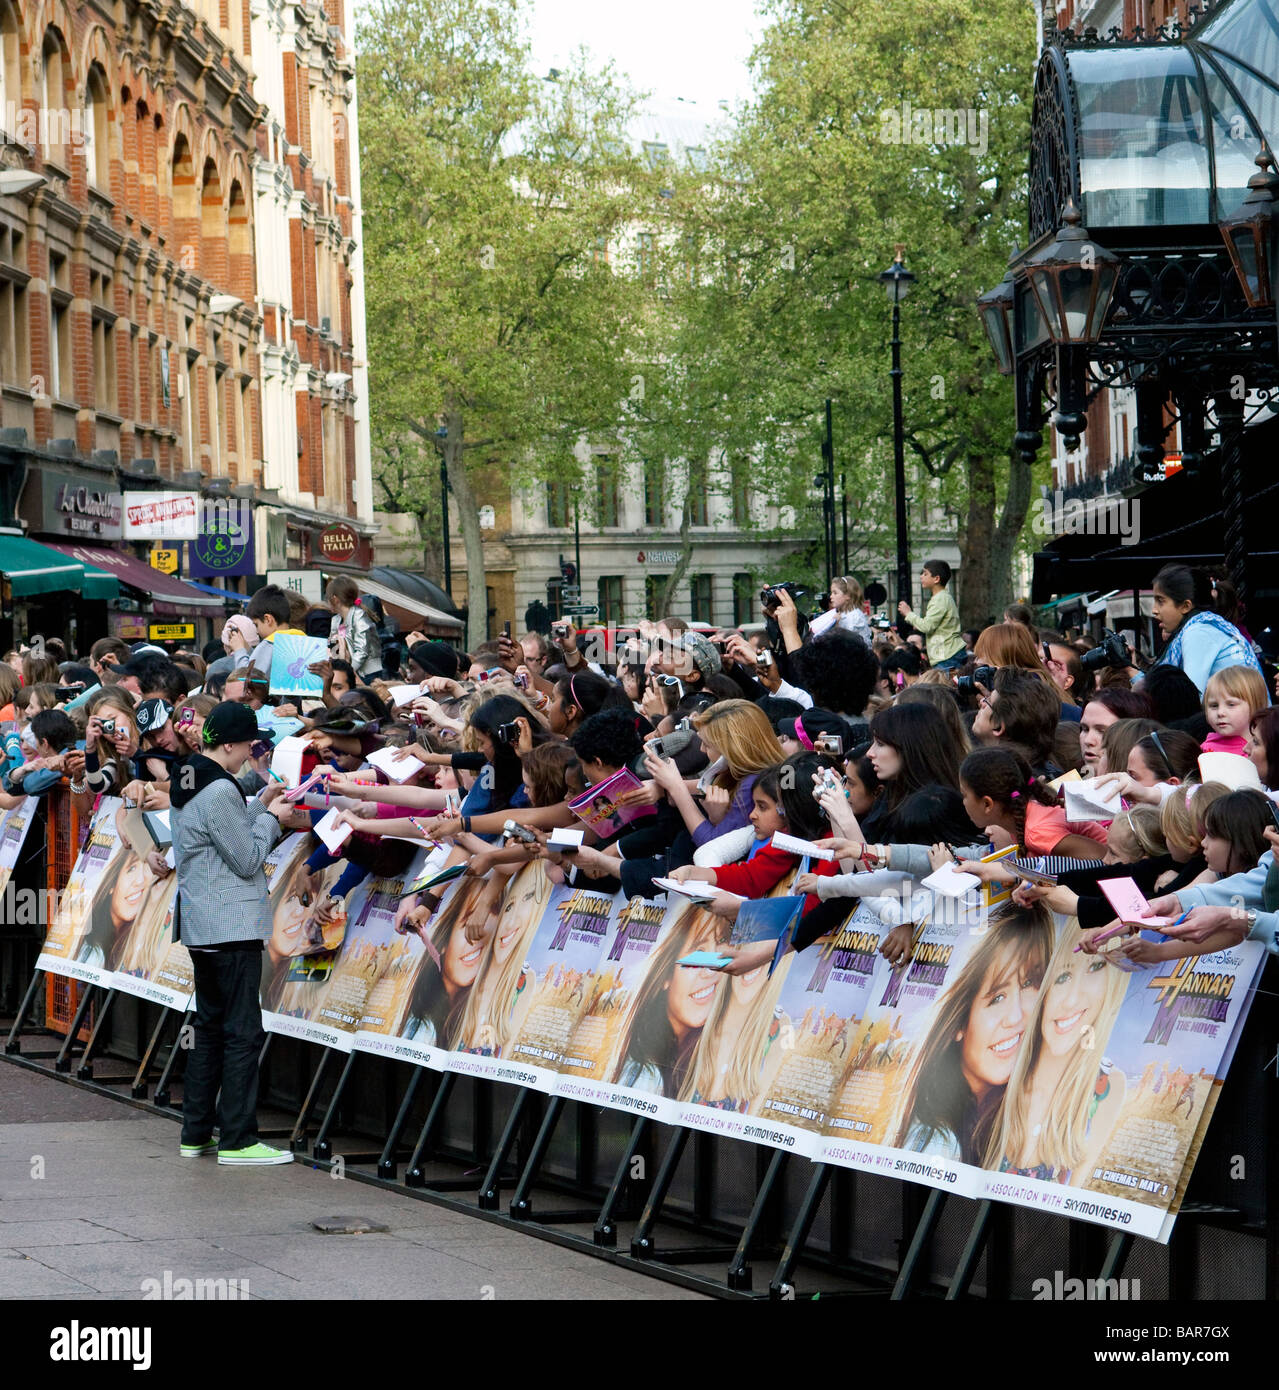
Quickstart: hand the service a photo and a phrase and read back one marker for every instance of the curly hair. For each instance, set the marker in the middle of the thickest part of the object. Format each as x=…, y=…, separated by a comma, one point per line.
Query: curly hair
x=838, y=670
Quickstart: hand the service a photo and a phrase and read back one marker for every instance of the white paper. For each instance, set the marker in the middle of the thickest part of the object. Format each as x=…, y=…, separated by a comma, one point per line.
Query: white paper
x=696, y=889
x=404, y=694
x=396, y=768
x=331, y=833
x=564, y=837
x=1231, y=770
x=1085, y=802
x=793, y=845
x=169, y=858
x=950, y=882
x=286, y=760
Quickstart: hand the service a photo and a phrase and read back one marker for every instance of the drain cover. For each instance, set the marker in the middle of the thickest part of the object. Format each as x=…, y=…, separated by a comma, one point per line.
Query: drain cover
x=348, y=1226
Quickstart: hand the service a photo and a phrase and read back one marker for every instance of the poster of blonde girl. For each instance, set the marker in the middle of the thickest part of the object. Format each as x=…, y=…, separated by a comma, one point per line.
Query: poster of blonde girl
x=66, y=949
x=1064, y=1095
x=503, y=986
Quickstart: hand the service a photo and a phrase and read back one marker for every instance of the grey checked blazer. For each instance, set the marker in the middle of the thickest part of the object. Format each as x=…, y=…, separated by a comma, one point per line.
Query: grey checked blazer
x=219, y=845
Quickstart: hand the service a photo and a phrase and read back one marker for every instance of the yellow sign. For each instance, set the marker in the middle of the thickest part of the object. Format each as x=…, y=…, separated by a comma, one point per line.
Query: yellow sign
x=166, y=561
x=172, y=632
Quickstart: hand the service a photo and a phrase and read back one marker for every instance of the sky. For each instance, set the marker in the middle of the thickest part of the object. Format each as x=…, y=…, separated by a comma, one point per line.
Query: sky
x=695, y=49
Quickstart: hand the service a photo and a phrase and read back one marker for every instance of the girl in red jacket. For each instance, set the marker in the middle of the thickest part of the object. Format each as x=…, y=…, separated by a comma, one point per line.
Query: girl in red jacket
x=783, y=801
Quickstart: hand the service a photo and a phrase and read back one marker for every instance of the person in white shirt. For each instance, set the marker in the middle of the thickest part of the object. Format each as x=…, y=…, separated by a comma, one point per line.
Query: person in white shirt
x=845, y=610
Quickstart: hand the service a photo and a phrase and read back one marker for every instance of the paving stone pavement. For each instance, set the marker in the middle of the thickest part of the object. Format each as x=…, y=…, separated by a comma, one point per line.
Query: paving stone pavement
x=94, y=1200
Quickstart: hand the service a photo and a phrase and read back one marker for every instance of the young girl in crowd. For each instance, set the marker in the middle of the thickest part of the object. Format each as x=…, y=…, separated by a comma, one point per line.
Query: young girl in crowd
x=1004, y=799
x=1232, y=699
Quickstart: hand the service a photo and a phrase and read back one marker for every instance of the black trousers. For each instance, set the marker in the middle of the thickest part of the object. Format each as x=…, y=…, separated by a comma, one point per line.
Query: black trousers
x=221, y=1083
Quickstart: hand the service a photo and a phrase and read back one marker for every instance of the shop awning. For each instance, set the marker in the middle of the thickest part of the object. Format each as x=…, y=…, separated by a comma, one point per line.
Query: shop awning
x=400, y=600
x=221, y=593
x=169, y=595
x=33, y=569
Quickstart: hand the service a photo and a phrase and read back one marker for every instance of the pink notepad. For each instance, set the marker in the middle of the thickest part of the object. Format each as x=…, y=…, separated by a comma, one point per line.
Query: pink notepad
x=1129, y=902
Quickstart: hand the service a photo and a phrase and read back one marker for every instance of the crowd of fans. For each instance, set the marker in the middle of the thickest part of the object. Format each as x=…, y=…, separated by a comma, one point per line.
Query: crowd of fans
x=897, y=750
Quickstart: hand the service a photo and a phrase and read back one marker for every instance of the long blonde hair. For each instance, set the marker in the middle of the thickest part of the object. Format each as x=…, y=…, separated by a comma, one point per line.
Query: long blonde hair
x=746, y=1068
x=489, y=1024
x=148, y=941
x=1181, y=817
x=1062, y=1141
x=742, y=733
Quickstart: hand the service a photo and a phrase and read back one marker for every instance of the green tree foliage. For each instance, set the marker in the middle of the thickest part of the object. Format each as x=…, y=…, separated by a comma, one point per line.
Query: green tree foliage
x=490, y=196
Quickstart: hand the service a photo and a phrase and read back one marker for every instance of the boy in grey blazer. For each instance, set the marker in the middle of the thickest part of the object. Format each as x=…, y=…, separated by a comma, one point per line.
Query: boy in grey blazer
x=222, y=917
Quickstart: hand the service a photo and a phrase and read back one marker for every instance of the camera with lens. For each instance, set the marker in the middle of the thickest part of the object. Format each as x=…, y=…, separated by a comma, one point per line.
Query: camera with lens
x=513, y=830
x=1112, y=652
x=768, y=596
x=982, y=675
x=508, y=733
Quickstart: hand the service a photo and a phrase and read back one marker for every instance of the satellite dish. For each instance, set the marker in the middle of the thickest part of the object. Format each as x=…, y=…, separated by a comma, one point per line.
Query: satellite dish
x=876, y=594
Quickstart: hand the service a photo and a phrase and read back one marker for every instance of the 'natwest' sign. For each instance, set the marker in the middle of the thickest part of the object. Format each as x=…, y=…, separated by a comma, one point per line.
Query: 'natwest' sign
x=339, y=542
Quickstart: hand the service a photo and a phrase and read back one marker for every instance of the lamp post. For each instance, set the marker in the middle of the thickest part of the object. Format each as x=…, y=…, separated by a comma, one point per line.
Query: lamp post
x=897, y=281
x=825, y=480
x=441, y=435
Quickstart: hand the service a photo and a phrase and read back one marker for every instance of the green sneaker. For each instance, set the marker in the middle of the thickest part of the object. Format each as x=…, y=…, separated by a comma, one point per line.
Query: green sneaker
x=256, y=1155
x=198, y=1150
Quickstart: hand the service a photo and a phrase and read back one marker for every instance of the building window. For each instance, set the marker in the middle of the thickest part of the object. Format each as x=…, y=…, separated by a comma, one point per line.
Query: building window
x=62, y=383
x=655, y=589
x=743, y=599
x=557, y=504
x=10, y=68
x=607, y=504
x=740, y=492
x=15, y=363
x=54, y=115
x=610, y=599
x=697, y=480
x=600, y=254
x=645, y=265
x=702, y=588
x=554, y=599
x=97, y=154
x=104, y=375
x=654, y=502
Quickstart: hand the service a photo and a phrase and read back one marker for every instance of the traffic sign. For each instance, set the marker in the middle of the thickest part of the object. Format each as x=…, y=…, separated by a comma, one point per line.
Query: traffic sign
x=172, y=632
x=580, y=608
x=164, y=559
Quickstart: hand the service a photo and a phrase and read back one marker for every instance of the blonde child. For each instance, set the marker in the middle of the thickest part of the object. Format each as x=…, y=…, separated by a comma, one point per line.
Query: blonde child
x=1231, y=698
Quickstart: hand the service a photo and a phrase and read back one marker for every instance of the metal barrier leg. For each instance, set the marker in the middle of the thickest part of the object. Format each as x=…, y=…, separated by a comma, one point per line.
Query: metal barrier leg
x=11, y=1043
x=162, y=1085
x=84, y=1072
x=970, y=1255
x=919, y=1243
x=139, y=1088
x=491, y=1188
x=739, y=1269
x=642, y=1240
x=413, y=1175
x=386, y=1163
x=605, y=1233
x=1116, y=1255
x=521, y=1202
x=781, y=1287
x=296, y=1139
x=323, y=1149
x=62, y=1062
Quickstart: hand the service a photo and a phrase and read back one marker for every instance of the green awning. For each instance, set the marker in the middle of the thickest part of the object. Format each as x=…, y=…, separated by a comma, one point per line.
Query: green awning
x=36, y=569
x=99, y=584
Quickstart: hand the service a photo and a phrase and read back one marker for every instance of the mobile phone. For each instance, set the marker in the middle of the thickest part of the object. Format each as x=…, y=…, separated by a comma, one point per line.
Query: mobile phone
x=521, y=681
x=1274, y=812
x=506, y=630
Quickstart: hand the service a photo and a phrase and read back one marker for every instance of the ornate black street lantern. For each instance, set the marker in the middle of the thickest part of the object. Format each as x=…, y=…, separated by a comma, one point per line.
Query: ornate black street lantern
x=996, y=310
x=1073, y=279
x=1249, y=234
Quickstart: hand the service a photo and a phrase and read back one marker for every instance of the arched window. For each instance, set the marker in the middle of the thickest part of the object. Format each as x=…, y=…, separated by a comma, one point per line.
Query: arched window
x=55, y=118
x=97, y=151
x=10, y=70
